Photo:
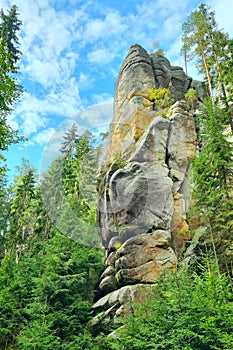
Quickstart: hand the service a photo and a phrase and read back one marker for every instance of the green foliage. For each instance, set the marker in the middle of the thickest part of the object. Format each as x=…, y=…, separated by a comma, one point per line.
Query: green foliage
x=47, y=280
x=45, y=298
x=191, y=97
x=212, y=49
x=160, y=97
x=10, y=91
x=69, y=189
x=62, y=287
x=182, y=312
x=159, y=52
x=27, y=219
x=213, y=189
x=9, y=27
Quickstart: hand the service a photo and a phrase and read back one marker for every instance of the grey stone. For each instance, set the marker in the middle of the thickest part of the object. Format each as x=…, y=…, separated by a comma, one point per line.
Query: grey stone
x=144, y=182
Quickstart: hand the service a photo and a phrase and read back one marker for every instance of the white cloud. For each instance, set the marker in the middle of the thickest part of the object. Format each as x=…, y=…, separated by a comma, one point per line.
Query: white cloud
x=113, y=24
x=85, y=81
x=68, y=46
x=36, y=112
x=101, y=56
x=102, y=99
x=44, y=136
x=98, y=115
x=170, y=6
x=172, y=26
x=12, y=122
x=223, y=10
x=32, y=121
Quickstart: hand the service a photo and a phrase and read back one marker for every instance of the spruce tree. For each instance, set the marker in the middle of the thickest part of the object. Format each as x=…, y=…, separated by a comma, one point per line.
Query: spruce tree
x=10, y=91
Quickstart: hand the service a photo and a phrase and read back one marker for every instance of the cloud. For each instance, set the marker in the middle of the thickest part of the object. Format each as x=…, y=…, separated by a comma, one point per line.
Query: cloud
x=172, y=26
x=85, y=81
x=102, y=99
x=12, y=122
x=223, y=10
x=69, y=48
x=168, y=7
x=32, y=122
x=44, y=136
x=101, y=56
x=37, y=112
x=112, y=25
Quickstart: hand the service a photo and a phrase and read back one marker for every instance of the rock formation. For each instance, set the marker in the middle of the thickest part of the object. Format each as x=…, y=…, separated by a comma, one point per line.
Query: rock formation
x=143, y=184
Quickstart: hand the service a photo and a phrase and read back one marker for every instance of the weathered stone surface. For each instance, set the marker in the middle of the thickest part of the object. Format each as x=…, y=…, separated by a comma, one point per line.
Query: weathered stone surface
x=152, y=147
x=144, y=179
x=181, y=144
x=132, y=194
x=180, y=82
x=179, y=227
x=110, y=309
x=144, y=257
x=162, y=70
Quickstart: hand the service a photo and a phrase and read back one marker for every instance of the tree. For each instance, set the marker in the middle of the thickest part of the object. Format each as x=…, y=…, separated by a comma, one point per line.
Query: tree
x=27, y=219
x=197, y=34
x=47, y=280
x=70, y=139
x=212, y=168
x=191, y=97
x=9, y=27
x=213, y=50
x=10, y=91
x=213, y=188
x=63, y=280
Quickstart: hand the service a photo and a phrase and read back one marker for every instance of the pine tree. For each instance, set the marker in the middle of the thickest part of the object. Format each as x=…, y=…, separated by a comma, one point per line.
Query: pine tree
x=212, y=168
x=212, y=50
x=197, y=33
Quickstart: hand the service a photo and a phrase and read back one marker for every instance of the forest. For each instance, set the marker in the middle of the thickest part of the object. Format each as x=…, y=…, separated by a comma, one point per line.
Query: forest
x=48, y=279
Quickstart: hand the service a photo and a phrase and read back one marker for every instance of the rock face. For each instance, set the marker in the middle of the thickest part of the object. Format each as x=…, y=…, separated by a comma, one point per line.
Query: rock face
x=143, y=183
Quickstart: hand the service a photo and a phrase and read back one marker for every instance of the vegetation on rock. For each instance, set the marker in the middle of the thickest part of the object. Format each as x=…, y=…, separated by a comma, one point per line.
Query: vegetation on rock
x=161, y=97
x=191, y=97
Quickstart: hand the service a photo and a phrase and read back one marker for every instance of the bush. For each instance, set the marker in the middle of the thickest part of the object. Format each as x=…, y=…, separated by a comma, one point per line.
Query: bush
x=160, y=97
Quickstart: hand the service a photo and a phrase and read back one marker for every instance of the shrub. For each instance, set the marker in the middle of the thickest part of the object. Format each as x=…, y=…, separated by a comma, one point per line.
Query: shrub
x=161, y=97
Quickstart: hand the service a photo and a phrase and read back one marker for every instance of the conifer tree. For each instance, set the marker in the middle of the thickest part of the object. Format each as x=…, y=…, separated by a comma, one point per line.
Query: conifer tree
x=10, y=91
x=211, y=47
x=213, y=187
x=213, y=169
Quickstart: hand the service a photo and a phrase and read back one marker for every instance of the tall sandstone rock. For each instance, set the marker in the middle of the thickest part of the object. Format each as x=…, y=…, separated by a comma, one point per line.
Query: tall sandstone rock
x=143, y=184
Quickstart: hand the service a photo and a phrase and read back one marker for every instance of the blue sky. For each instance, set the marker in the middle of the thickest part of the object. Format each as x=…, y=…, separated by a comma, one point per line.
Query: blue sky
x=72, y=53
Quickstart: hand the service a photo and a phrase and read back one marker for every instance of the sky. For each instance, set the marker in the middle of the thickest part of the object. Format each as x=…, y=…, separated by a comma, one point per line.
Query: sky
x=72, y=51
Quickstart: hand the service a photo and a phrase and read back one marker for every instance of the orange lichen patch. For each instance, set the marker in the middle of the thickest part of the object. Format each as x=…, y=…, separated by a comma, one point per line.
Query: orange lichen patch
x=179, y=228
x=141, y=293
x=155, y=270
x=191, y=150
